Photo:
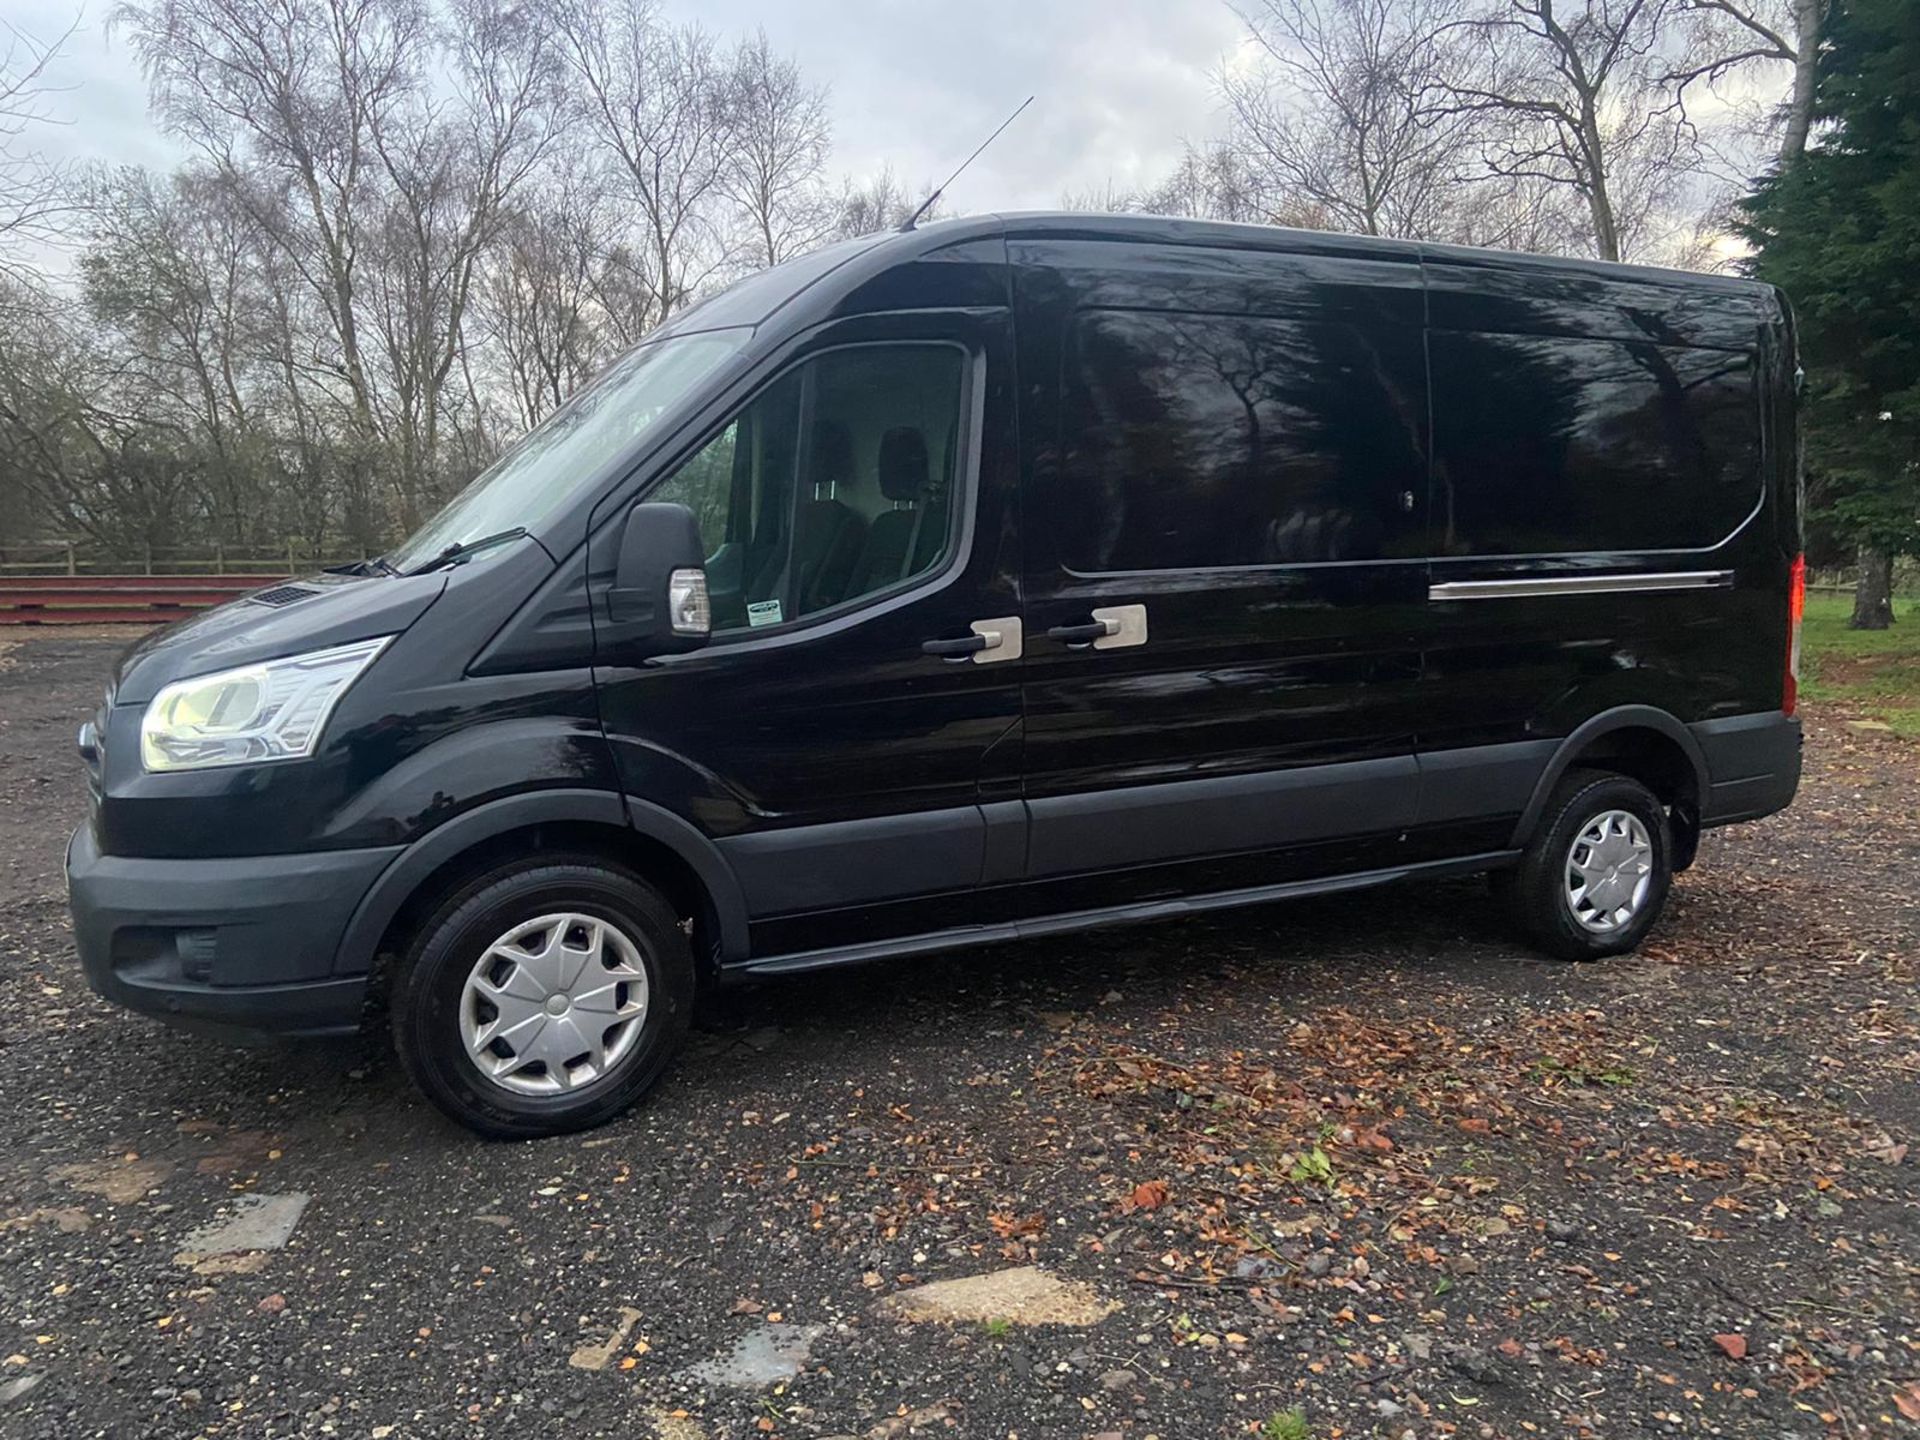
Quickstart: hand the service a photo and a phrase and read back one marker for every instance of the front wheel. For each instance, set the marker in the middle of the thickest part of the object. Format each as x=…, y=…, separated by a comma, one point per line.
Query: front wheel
x=1594, y=877
x=543, y=997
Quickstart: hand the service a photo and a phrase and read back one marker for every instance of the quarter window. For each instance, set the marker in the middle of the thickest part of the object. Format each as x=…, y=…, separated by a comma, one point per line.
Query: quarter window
x=835, y=483
x=1546, y=445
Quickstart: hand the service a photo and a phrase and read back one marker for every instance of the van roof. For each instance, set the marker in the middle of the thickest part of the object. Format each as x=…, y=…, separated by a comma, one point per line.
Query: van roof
x=1173, y=230
x=758, y=297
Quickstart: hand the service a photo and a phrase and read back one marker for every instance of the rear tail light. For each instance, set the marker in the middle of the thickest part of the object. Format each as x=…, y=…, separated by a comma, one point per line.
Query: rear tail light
x=1796, y=612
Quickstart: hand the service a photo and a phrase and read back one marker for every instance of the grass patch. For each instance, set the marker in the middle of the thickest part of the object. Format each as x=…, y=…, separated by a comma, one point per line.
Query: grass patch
x=1876, y=672
x=1286, y=1425
x=1315, y=1166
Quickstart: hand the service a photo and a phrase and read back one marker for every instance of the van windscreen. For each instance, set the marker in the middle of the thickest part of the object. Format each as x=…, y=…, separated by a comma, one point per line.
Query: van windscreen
x=575, y=444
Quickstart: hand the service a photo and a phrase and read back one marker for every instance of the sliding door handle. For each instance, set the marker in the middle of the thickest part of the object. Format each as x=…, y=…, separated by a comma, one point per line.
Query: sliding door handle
x=1084, y=634
x=958, y=648
x=1113, y=627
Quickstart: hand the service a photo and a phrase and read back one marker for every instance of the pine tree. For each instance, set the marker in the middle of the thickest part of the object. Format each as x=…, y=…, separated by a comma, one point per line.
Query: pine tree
x=1838, y=229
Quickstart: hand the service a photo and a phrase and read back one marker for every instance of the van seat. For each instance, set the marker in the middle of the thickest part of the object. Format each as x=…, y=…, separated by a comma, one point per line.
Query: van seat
x=829, y=534
x=901, y=541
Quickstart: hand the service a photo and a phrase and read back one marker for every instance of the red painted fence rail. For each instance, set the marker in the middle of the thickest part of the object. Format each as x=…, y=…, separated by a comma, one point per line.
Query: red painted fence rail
x=117, y=599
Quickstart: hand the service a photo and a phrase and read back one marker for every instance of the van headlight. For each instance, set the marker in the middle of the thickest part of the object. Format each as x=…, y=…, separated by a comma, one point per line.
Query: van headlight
x=271, y=711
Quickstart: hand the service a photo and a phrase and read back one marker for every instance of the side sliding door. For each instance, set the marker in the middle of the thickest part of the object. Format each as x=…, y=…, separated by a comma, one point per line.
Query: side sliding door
x=1225, y=565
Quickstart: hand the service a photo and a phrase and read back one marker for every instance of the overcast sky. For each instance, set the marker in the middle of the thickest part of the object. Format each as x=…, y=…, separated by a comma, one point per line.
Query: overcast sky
x=1120, y=85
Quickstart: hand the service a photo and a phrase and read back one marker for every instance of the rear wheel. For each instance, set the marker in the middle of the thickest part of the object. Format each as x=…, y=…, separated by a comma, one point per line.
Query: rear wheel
x=543, y=997
x=1595, y=876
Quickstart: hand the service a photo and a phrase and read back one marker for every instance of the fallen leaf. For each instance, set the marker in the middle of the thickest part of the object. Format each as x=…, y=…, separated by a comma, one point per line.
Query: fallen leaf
x=1734, y=1345
x=1148, y=1195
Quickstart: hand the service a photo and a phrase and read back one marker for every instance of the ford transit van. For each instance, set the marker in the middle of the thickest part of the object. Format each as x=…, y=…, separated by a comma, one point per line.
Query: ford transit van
x=1002, y=578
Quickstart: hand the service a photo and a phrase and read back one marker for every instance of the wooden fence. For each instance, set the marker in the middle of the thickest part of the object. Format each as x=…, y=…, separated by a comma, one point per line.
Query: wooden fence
x=76, y=558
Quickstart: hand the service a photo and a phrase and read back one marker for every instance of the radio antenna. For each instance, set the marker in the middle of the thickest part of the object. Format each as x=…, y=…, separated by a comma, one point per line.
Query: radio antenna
x=928, y=203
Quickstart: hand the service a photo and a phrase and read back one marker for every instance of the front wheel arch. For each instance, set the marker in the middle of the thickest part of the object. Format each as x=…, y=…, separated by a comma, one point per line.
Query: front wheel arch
x=659, y=847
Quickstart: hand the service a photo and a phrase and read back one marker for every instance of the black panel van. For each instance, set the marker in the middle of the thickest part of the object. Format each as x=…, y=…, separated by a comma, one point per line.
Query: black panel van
x=1003, y=578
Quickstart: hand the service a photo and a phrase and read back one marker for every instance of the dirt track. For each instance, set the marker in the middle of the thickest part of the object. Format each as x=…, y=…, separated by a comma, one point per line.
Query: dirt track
x=1365, y=1158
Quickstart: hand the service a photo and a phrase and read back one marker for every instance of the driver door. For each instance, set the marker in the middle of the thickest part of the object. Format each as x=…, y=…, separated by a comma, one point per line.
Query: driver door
x=854, y=508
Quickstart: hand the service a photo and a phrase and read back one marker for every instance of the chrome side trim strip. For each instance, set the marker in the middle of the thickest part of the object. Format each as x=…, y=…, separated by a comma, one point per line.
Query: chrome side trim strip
x=1579, y=585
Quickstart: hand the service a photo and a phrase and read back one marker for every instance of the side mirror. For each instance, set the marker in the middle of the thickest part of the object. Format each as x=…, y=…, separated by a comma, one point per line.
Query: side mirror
x=658, y=602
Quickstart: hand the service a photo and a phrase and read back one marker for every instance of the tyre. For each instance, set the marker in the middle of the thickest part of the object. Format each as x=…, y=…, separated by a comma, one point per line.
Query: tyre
x=1595, y=875
x=543, y=997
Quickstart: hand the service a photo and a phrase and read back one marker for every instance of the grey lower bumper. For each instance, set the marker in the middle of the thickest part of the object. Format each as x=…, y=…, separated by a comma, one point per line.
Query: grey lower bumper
x=1753, y=765
x=241, y=947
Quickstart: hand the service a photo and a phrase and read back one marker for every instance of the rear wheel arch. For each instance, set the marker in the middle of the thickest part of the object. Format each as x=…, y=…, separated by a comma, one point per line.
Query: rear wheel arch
x=1640, y=741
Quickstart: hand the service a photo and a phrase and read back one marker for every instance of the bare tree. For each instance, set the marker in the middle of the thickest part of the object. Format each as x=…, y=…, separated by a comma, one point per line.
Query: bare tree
x=169, y=270
x=547, y=292
x=879, y=202
x=1212, y=182
x=773, y=167
x=656, y=97
x=1330, y=125
x=1109, y=198
x=34, y=191
x=1569, y=95
x=451, y=170
x=287, y=98
x=1727, y=39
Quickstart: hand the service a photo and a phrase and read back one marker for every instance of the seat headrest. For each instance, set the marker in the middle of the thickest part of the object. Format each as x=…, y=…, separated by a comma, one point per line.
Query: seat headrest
x=903, y=464
x=830, y=461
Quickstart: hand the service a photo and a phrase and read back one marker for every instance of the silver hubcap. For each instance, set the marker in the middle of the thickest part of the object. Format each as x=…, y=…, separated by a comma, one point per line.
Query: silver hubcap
x=1609, y=871
x=554, y=1004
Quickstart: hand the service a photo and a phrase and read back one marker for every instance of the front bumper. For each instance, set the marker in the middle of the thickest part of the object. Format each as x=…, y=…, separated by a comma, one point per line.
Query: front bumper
x=243, y=947
x=1753, y=765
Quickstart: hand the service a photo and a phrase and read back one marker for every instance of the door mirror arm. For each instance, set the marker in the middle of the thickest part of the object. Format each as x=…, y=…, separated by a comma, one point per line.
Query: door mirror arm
x=657, y=603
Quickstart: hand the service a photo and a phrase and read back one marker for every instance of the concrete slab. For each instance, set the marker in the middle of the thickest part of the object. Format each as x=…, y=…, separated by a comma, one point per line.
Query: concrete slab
x=1025, y=1295
x=258, y=1223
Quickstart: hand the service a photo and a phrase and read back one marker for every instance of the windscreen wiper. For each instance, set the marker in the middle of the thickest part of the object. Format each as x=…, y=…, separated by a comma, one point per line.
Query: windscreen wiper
x=362, y=567
x=454, y=554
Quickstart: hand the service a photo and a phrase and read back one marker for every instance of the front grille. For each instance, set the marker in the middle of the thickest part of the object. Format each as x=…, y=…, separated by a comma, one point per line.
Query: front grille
x=282, y=594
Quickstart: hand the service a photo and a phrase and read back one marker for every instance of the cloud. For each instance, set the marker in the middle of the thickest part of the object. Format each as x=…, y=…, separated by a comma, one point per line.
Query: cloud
x=1120, y=85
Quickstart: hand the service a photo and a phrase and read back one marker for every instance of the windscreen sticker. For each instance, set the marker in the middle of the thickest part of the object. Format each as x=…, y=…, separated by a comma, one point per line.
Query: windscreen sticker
x=763, y=612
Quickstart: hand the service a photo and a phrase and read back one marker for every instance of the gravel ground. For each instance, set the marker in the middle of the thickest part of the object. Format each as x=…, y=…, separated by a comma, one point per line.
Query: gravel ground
x=1348, y=1168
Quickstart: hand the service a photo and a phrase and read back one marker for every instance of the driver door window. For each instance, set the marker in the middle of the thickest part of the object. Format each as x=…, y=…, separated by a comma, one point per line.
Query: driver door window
x=834, y=483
